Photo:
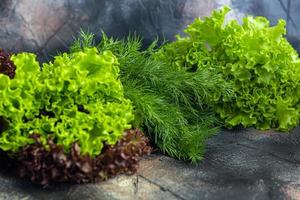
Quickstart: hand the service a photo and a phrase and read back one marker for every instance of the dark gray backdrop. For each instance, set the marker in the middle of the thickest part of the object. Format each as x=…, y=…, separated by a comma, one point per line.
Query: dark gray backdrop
x=48, y=26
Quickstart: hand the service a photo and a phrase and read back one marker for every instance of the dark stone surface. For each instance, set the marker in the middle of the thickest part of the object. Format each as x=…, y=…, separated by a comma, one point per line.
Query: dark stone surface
x=244, y=164
x=49, y=26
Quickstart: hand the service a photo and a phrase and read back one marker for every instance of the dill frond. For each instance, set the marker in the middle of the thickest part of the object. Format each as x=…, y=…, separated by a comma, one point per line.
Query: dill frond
x=172, y=106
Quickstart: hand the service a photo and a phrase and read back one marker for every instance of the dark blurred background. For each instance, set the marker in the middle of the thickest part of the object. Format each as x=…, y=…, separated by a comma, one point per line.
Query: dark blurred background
x=49, y=26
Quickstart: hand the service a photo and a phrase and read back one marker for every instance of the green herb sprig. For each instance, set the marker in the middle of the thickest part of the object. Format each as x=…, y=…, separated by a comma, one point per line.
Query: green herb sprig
x=172, y=106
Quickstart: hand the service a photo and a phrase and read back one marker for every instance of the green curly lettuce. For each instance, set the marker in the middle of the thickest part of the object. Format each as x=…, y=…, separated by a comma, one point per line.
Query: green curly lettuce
x=19, y=101
x=77, y=98
x=254, y=57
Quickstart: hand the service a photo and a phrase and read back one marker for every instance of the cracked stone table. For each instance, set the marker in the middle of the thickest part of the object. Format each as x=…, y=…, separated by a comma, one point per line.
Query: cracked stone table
x=243, y=164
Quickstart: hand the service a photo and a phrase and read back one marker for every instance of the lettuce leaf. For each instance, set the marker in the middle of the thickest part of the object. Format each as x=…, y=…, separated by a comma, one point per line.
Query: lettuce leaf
x=254, y=57
x=76, y=98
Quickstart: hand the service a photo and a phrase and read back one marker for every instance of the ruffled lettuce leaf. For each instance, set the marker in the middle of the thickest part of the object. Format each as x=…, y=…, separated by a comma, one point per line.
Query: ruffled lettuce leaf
x=76, y=98
x=254, y=57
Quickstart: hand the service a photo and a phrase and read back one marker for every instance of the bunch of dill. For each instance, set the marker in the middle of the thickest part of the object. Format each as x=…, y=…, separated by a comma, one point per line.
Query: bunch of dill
x=172, y=106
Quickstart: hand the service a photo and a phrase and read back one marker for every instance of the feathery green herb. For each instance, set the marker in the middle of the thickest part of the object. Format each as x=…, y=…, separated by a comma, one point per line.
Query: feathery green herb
x=172, y=106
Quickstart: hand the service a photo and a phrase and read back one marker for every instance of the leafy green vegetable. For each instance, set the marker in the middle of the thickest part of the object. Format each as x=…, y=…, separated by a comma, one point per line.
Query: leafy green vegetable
x=254, y=57
x=6, y=65
x=19, y=101
x=77, y=98
x=171, y=106
x=45, y=166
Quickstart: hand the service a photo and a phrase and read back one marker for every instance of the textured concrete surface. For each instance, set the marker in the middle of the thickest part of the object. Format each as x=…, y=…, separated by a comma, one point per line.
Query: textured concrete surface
x=241, y=164
x=49, y=26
